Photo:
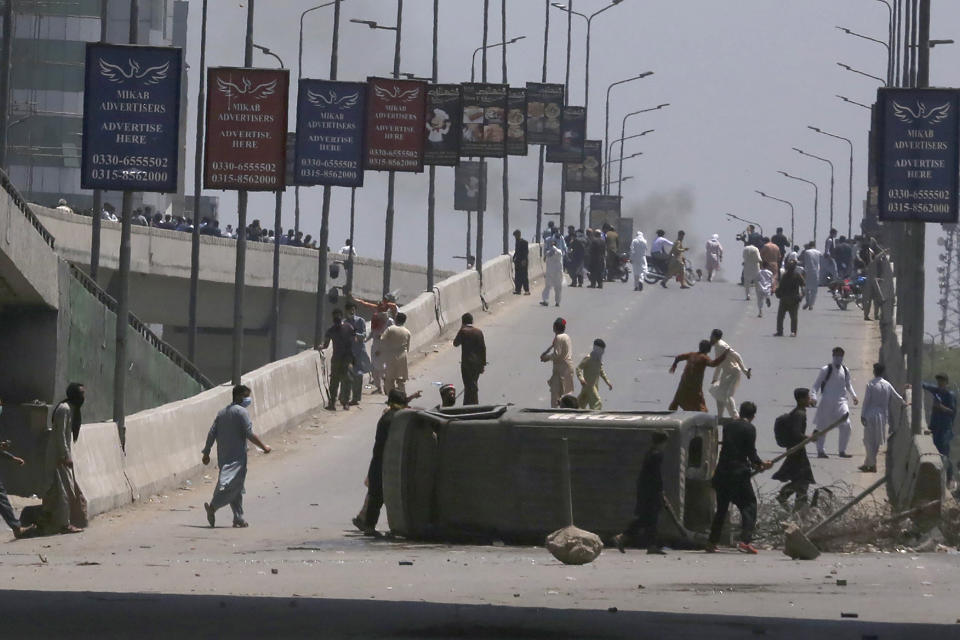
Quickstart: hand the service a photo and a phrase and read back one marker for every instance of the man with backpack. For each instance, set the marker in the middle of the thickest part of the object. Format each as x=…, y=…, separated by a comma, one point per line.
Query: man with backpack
x=829, y=395
x=789, y=430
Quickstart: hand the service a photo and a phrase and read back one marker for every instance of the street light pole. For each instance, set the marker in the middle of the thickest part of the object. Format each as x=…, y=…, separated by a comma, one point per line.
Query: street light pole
x=610, y=150
x=197, y=184
x=540, y=162
x=786, y=202
x=832, y=183
x=482, y=202
x=506, y=156
x=432, y=181
x=97, y=193
x=850, y=195
x=623, y=129
x=816, y=205
x=606, y=125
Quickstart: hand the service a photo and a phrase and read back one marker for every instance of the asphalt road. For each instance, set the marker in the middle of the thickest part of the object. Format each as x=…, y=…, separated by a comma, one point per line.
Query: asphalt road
x=300, y=500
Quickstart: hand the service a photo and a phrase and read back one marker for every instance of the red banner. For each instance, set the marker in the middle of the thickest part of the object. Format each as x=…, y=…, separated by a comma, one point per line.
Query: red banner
x=396, y=117
x=246, y=129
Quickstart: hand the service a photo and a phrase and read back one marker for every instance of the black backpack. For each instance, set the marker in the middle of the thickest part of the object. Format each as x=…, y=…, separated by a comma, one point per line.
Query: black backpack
x=781, y=430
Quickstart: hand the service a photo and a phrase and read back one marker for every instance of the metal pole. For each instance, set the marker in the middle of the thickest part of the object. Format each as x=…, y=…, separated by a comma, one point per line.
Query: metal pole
x=483, y=165
x=275, y=293
x=6, y=54
x=916, y=310
x=392, y=178
x=240, y=270
x=506, y=157
x=566, y=101
x=432, y=186
x=197, y=183
x=586, y=119
x=897, y=34
x=97, y=193
x=324, y=240
x=123, y=281
x=543, y=78
x=469, y=241
x=353, y=210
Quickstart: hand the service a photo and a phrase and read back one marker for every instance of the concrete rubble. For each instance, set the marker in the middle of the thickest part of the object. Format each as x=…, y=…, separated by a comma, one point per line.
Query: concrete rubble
x=571, y=545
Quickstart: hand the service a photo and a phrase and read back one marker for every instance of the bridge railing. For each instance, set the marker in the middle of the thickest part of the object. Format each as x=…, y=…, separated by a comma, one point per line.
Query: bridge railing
x=156, y=341
x=24, y=207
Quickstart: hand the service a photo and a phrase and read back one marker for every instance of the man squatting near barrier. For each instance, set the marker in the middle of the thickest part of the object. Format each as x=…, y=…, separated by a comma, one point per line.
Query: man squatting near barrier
x=642, y=530
x=231, y=429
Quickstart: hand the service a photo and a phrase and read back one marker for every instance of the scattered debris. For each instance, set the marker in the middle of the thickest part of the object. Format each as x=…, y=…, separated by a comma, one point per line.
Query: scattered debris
x=406, y=563
x=42, y=557
x=572, y=545
x=841, y=582
x=844, y=614
x=88, y=563
x=274, y=571
x=612, y=609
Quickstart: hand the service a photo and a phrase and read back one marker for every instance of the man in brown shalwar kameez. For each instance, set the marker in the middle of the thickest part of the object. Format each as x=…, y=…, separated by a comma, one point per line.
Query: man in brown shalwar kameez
x=689, y=395
x=64, y=508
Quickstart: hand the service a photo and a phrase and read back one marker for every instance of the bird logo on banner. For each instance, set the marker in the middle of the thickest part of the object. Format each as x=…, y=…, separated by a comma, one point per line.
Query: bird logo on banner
x=397, y=93
x=932, y=116
x=148, y=76
x=332, y=100
x=247, y=88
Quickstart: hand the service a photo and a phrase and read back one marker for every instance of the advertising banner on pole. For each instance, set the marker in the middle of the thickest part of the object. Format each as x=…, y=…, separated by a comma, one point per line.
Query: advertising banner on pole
x=396, y=111
x=467, y=195
x=573, y=127
x=585, y=176
x=544, y=108
x=484, y=120
x=330, y=121
x=604, y=209
x=918, y=172
x=442, y=129
x=516, y=121
x=246, y=129
x=131, y=118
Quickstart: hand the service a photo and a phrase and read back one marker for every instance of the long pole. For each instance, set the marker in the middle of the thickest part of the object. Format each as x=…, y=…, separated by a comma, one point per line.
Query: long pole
x=543, y=78
x=197, y=180
x=123, y=281
x=275, y=290
x=916, y=310
x=432, y=187
x=6, y=54
x=324, y=240
x=483, y=165
x=240, y=271
x=566, y=101
x=586, y=118
x=97, y=193
x=353, y=210
x=392, y=178
x=506, y=156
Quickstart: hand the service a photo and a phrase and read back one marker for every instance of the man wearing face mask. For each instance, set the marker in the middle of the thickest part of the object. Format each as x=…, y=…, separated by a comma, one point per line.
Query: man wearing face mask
x=829, y=395
x=589, y=372
x=231, y=429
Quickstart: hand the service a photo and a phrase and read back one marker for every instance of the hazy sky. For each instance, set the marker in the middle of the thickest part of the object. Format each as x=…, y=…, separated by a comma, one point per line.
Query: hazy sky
x=744, y=78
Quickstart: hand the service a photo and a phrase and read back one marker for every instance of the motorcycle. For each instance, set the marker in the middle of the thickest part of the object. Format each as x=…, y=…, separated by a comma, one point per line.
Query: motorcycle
x=847, y=290
x=658, y=265
x=619, y=269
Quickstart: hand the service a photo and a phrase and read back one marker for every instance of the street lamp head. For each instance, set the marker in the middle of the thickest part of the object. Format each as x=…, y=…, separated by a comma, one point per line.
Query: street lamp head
x=661, y=106
x=559, y=6
x=844, y=29
x=784, y=173
x=517, y=39
x=813, y=128
x=370, y=23
x=763, y=194
x=934, y=43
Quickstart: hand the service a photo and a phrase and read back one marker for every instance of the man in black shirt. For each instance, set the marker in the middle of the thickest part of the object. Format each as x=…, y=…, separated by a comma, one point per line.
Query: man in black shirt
x=781, y=241
x=396, y=401
x=790, y=292
x=643, y=528
x=738, y=459
x=341, y=334
x=790, y=430
x=521, y=252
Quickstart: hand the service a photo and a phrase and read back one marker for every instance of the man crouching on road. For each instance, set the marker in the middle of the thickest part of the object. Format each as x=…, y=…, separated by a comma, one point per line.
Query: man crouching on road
x=231, y=429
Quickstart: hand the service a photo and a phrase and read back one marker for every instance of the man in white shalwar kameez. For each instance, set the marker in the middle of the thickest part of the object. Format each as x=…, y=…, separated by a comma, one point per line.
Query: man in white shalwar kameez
x=874, y=416
x=726, y=376
x=553, y=273
x=810, y=258
x=231, y=429
x=829, y=393
x=638, y=258
x=751, y=267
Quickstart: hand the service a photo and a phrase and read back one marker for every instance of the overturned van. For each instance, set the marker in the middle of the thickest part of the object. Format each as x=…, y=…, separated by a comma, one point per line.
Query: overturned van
x=495, y=472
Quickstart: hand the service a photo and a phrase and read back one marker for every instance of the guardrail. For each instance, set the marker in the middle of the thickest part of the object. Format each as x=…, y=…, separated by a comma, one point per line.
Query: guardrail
x=155, y=341
x=24, y=207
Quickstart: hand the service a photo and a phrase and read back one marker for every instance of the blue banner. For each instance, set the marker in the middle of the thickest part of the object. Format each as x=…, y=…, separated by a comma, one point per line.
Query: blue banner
x=131, y=118
x=330, y=133
x=918, y=172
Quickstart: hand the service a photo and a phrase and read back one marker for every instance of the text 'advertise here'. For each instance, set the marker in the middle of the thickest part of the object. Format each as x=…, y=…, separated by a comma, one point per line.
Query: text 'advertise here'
x=918, y=169
x=131, y=118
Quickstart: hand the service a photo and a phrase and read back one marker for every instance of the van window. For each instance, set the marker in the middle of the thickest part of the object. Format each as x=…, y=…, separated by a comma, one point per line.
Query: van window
x=695, y=452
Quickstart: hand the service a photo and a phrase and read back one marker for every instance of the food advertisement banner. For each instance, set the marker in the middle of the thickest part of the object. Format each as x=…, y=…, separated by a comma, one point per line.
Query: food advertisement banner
x=467, y=192
x=484, y=120
x=516, y=121
x=442, y=128
x=573, y=126
x=544, y=108
x=585, y=176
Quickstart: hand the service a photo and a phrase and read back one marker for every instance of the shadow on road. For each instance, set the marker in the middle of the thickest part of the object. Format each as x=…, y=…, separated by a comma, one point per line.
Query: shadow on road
x=32, y=614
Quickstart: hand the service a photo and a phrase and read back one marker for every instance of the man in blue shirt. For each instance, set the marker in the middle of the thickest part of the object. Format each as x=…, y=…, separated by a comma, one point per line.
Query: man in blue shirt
x=941, y=417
